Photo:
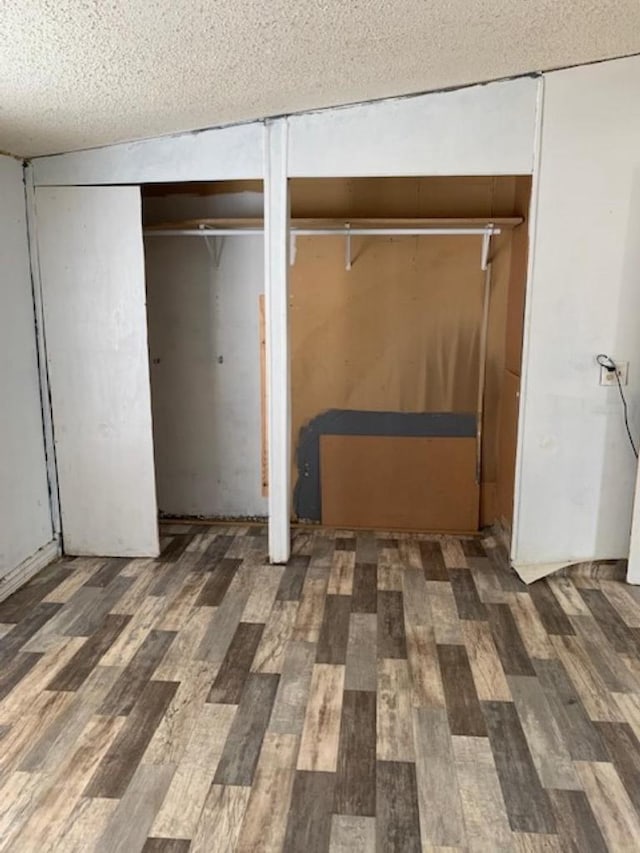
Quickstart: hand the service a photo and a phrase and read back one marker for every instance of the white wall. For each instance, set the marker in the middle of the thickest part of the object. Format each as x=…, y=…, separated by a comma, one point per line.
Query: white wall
x=205, y=361
x=576, y=469
x=25, y=519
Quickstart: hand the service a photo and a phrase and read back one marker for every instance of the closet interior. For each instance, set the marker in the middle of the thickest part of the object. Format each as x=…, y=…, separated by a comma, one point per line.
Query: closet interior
x=406, y=306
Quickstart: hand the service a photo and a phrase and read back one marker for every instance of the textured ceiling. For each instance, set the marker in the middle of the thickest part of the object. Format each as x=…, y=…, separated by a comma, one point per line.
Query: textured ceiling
x=90, y=72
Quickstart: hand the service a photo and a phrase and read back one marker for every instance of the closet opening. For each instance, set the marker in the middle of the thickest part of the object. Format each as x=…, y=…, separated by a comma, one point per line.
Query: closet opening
x=206, y=347
x=406, y=318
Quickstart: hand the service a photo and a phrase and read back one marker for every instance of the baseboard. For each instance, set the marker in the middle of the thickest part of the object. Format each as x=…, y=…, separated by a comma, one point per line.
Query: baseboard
x=17, y=577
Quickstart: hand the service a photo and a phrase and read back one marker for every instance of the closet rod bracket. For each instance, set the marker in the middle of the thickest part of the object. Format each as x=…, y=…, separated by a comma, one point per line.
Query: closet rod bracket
x=486, y=246
x=214, y=247
x=347, y=247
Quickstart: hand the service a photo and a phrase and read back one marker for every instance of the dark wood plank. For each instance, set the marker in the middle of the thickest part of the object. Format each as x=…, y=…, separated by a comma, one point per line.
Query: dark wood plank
x=553, y=617
x=217, y=583
x=175, y=547
x=528, y=805
x=463, y=708
x=392, y=642
x=433, y=562
x=109, y=570
x=15, y=669
x=35, y=618
x=334, y=632
x=576, y=824
x=468, y=601
x=309, y=823
x=473, y=547
x=397, y=819
x=511, y=649
x=366, y=547
x=364, y=598
x=93, y=615
x=622, y=638
x=292, y=579
x=127, y=690
x=166, y=845
x=232, y=675
x=23, y=601
x=121, y=760
x=578, y=731
x=624, y=750
x=345, y=543
x=77, y=670
x=240, y=754
x=355, y=792
x=215, y=552
x=502, y=569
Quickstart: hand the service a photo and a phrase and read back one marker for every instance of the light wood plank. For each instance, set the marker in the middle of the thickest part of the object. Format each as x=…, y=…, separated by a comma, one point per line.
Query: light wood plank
x=613, y=810
x=263, y=593
x=265, y=821
x=485, y=815
x=486, y=667
x=341, y=575
x=221, y=819
x=530, y=627
x=445, y=617
x=178, y=817
x=395, y=717
x=321, y=731
x=441, y=821
x=352, y=834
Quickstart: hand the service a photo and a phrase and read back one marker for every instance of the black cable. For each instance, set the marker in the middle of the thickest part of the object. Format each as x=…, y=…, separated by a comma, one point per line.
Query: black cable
x=609, y=364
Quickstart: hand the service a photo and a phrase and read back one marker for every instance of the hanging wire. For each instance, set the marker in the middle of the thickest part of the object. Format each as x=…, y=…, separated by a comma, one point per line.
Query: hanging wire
x=609, y=364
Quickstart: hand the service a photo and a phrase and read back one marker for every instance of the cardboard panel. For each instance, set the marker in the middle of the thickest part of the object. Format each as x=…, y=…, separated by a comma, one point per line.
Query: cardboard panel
x=399, y=483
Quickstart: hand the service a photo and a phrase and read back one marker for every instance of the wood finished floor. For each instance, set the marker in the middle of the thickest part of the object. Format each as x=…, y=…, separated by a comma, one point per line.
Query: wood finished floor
x=390, y=693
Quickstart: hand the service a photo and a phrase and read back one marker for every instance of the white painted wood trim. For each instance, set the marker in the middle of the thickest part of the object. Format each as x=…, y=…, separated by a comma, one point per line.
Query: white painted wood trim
x=93, y=288
x=45, y=393
x=526, y=339
x=276, y=271
x=222, y=153
x=474, y=130
x=633, y=569
x=482, y=129
x=17, y=577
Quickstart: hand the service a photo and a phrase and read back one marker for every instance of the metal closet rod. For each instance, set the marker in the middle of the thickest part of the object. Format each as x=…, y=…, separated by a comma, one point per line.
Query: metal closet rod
x=325, y=231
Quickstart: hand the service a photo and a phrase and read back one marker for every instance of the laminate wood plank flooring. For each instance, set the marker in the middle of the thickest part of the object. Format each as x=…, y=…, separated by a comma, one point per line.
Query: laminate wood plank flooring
x=380, y=692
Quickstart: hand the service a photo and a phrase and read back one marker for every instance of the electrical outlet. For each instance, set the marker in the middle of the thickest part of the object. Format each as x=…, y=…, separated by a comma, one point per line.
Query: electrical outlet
x=608, y=377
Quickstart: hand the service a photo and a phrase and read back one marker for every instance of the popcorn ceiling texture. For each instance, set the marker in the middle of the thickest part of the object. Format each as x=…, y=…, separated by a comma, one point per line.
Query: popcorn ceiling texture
x=86, y=73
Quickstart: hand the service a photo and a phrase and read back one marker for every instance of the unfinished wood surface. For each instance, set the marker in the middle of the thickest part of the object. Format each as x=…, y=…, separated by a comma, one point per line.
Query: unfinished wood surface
x=440, y=731
x=402, y=483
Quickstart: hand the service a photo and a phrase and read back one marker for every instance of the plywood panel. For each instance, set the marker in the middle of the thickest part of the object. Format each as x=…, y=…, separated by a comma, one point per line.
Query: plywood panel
x=399, y=482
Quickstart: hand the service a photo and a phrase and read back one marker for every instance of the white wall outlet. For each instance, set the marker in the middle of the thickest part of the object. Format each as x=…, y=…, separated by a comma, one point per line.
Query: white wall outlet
x=608, y=377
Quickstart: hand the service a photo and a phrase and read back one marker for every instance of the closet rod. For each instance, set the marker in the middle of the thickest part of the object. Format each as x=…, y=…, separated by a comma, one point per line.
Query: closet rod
x=311, y=232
